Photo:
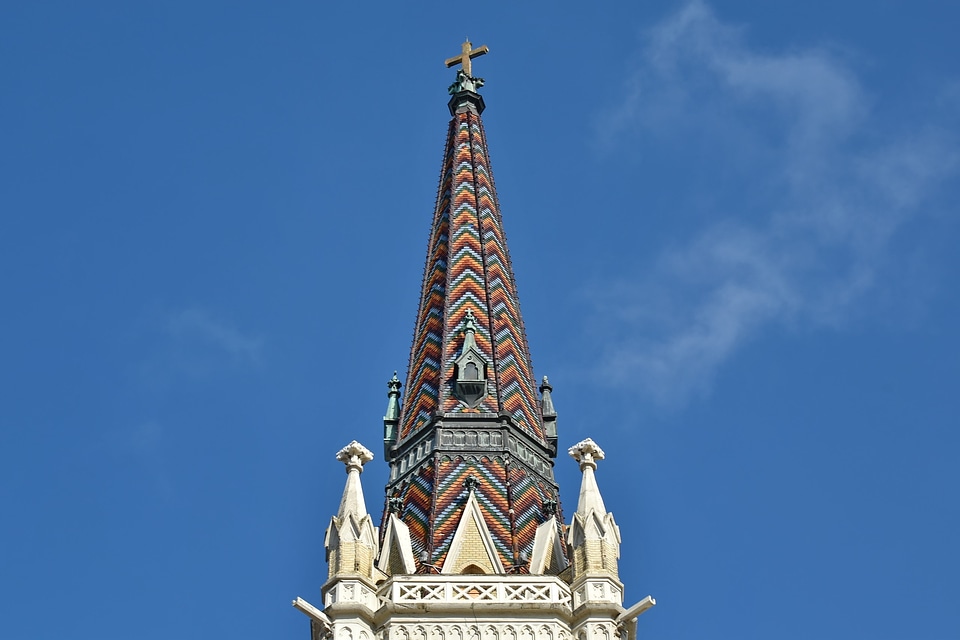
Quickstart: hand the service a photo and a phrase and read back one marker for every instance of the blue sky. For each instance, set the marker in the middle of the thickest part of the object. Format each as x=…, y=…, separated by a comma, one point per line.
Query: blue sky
x=734, y=230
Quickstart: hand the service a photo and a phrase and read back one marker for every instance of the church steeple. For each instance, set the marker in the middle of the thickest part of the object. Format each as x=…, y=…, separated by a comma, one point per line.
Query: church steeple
x=472, y=543
x=471, y=405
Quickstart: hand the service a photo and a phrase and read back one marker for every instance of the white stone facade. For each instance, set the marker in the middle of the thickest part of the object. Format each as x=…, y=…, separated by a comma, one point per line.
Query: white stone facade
x=457, y=607
x=370, y=597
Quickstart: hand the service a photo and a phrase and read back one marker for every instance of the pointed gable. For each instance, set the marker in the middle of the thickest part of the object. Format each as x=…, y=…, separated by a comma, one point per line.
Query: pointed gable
x=548, y=557
x=472, y=549
x=396, y=554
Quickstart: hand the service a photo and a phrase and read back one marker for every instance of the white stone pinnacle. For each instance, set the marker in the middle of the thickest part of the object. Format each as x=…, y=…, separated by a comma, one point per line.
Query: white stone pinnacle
x=586, y=452
x=354, y=456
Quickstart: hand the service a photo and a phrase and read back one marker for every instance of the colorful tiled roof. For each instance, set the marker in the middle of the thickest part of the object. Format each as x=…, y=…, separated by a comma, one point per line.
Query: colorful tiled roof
x=470, y=413
x=468, y=269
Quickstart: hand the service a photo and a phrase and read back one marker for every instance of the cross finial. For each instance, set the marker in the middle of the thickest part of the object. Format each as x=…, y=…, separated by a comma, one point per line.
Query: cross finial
x=466, y=55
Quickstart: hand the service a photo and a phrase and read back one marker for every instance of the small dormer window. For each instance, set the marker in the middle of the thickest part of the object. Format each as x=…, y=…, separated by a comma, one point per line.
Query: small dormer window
x=470, y=385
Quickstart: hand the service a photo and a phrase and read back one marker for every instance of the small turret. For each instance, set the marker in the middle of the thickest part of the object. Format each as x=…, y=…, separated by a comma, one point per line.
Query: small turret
x=391, y=419
x=549, y=414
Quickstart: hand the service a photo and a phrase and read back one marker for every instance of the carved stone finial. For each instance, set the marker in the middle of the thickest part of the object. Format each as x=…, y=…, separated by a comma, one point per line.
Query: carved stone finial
x=549, y=508
x=354, y=456
x=586, y=452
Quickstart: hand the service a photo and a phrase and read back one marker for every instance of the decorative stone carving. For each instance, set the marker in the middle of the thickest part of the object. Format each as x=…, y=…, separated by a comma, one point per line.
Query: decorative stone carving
x=354, y=455
x=586, y=452
x=470, y=438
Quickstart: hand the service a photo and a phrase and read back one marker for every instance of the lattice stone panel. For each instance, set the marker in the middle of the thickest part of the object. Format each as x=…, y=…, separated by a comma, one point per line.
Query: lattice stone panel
x=456, y=589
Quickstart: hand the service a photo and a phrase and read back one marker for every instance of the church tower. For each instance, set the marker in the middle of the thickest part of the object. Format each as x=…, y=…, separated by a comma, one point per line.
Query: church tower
x=472, y=544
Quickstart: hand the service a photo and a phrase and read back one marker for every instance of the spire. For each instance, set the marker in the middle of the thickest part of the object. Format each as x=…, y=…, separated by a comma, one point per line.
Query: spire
x=469, y=296
x=471, y=451
x=471, y=406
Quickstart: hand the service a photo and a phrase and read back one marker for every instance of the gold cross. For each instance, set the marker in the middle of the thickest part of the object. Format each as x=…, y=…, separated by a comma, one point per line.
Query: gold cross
x=468, y=53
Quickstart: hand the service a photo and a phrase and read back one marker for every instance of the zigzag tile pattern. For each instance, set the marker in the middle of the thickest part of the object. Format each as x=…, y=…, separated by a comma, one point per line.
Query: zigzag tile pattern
x=515, y=382
x=527, y=499
x=467, y=279
x=491, y=494
x=529, y=494
x=417, y=498
x=423, y=370
x=468, y=268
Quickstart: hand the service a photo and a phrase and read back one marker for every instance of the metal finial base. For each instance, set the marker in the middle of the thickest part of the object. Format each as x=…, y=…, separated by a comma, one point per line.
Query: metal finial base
x=462, y=98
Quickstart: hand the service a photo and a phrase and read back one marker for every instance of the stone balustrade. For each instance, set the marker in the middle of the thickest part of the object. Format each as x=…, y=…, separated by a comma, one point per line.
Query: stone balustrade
x=476, y=589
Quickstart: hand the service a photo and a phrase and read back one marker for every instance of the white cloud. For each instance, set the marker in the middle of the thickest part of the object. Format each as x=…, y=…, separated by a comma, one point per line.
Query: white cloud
x=839, y=189
x=199, y=328
x=195, y=345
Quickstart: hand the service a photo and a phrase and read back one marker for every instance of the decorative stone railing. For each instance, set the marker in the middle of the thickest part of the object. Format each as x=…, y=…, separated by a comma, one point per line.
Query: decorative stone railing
x=458, y=589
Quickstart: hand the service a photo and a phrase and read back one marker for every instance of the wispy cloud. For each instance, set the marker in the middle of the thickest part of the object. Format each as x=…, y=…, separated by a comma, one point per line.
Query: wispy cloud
x=201, y=328
x=836, y=191
x=197, y=344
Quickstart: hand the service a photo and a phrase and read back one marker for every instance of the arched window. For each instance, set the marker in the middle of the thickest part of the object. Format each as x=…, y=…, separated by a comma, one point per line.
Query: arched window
x=471, y=372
